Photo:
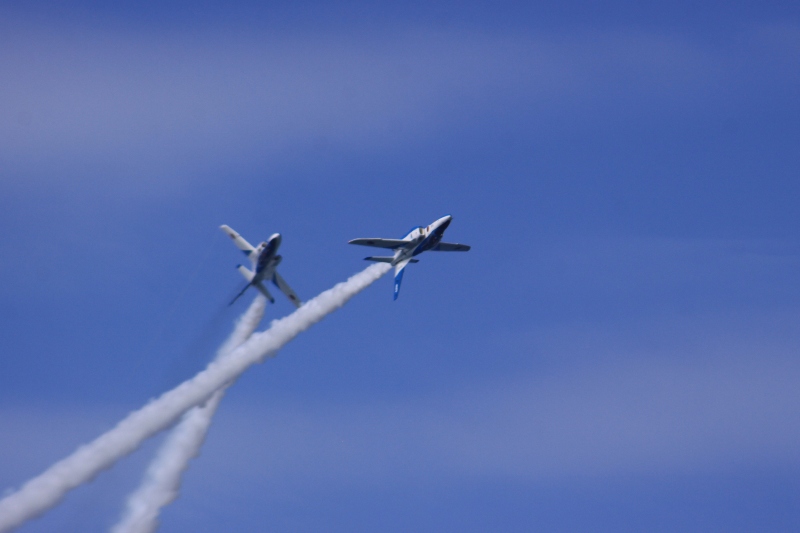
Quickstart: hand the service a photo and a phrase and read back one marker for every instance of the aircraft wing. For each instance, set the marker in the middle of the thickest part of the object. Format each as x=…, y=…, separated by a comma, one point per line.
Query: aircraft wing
x=286, y=289
x=380, y=243
x=238, y=240
x=450, y=247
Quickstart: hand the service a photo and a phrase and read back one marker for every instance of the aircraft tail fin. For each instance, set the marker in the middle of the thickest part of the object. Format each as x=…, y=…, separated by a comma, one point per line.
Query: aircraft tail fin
x=399, y=268
x=398, y=279
x=249, y=275
x=240, y=293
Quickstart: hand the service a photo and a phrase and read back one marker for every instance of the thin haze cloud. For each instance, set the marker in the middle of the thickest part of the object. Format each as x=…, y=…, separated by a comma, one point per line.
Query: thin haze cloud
x=635, y=133
x=634, y=416
x=168, y=106
x=47, y=489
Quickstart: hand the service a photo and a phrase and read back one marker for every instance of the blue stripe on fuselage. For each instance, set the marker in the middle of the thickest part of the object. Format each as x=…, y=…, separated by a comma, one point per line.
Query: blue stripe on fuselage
x=430, y=241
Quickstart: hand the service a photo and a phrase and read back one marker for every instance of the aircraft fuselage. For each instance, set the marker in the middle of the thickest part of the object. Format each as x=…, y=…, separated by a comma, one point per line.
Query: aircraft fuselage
x=421, y=239
x=267, y=258
x=413, y=243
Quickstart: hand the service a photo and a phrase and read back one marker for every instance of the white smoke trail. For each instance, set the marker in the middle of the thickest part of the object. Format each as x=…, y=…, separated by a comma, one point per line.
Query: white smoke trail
x=47, y=489
x=162, y=480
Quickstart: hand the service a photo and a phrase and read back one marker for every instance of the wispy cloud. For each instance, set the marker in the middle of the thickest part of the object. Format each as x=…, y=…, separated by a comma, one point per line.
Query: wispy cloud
x=158, y=109
x=710, y=405
x=693, y=396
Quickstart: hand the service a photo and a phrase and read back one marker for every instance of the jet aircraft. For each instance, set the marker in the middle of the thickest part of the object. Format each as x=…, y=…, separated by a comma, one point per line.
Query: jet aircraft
x=264, y=261
x=416, y=241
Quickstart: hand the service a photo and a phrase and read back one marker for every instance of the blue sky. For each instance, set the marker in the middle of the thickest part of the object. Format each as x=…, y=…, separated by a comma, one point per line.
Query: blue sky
x=618, y=352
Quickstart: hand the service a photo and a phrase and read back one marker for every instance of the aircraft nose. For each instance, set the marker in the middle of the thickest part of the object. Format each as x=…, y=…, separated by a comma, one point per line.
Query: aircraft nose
x=445, y=221
x=276, y=238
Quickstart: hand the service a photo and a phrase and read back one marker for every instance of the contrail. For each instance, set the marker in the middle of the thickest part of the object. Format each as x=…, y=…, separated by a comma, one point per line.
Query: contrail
x=47, y=489
x=162, y=480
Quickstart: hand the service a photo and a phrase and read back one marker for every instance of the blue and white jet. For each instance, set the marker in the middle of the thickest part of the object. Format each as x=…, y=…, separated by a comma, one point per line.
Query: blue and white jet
x=416, y=241
x=264, y=259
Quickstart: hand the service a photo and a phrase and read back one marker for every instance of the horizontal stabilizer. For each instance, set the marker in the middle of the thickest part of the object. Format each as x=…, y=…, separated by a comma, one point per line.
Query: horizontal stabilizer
x=247, y=274
x=378, y=259
x=380, y=243
x=385, y=259
x=263, y=290
x=450, y=247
